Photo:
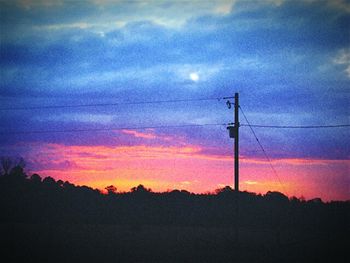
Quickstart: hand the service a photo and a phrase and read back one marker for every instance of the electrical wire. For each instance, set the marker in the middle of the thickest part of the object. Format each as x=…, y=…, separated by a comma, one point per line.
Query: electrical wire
x=111, y=129
x=297, y=127
x=164, y=127
x=263, y=150
x=109, y=104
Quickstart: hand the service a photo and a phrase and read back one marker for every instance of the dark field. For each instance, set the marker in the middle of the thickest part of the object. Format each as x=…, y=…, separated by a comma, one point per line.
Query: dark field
x=112, y=243
x=55, y=221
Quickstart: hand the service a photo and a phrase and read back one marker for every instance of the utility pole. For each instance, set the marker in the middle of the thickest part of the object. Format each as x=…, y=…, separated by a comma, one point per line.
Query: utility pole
x=236, y=143
x=233, y=131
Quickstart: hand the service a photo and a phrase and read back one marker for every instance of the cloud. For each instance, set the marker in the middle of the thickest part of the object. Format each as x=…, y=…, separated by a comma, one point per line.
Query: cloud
x=144, y=135
x=77, y=117
x=341, y=5
x=97, y=15
x=44, y=164
x=343, y=58
x=28, y=4
x=250, y=182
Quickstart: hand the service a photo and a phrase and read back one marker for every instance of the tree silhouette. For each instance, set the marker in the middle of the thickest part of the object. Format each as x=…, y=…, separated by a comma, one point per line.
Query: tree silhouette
x=111, y=189
x=49, y=182
x=12, y=165
x=6, y=164
x=224, y=190
x=35, y=178
x=140, y=189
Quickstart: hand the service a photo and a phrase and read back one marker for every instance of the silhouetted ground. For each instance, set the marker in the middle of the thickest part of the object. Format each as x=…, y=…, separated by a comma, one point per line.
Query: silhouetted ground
x=115, y=243
x=55, y=221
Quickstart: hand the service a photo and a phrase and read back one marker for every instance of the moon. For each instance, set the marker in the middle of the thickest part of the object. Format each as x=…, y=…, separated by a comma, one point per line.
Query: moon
x=194, y=77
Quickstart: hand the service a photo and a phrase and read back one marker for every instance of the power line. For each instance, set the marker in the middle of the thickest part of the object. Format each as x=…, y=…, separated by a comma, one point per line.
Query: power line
x=262, y=148
x=111, y=129
x=164, y=127
x=296, y=127
x=109, y=104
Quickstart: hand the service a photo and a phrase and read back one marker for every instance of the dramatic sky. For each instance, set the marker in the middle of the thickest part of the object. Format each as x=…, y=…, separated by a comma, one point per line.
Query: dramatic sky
x=289, y=61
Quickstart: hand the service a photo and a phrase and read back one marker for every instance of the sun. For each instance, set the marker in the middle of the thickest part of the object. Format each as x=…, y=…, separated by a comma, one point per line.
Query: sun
x=194, y=77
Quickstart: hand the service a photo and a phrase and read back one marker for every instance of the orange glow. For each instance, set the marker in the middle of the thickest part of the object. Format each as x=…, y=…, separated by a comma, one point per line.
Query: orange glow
x=163, y=168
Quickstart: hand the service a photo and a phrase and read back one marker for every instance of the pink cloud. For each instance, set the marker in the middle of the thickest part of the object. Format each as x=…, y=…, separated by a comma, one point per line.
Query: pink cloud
x=144, y=135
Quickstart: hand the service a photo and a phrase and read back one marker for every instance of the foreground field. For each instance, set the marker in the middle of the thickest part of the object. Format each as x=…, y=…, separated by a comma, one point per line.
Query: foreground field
x=49, y=221
x=135, y=243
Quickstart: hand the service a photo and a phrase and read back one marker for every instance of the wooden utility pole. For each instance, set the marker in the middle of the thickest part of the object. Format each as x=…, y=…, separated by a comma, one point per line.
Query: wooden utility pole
x=233, y=131
x=236, y=143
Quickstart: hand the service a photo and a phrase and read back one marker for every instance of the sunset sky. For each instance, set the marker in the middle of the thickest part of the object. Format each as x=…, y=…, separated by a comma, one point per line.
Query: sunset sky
x=289, y=61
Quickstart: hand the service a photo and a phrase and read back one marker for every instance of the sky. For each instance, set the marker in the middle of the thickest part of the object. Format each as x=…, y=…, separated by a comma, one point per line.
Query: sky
x=288, y=60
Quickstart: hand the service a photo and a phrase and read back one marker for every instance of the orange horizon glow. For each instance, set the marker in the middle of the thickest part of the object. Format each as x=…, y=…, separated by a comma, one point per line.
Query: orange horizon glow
x=164, y=168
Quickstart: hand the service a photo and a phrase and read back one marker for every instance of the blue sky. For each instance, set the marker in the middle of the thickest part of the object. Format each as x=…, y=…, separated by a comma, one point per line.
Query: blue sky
x=289, y=60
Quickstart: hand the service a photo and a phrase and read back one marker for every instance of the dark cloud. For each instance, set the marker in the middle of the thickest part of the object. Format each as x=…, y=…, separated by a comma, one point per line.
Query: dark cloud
x=279, y=57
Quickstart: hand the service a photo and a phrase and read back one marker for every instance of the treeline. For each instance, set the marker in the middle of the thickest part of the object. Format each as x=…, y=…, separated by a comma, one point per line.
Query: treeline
x=31, y=199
